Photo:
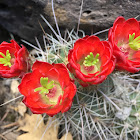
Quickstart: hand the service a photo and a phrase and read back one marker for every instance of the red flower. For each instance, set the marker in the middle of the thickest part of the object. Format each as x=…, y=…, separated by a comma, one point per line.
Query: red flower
x=125, y=39
x=48, y=89
x=14, y=60
x=91, y=60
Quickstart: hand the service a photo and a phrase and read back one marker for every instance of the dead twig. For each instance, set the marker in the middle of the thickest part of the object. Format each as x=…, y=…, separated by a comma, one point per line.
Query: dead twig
x=10, y=125
x=9, y=130
x=2, y=137
x=5, y=115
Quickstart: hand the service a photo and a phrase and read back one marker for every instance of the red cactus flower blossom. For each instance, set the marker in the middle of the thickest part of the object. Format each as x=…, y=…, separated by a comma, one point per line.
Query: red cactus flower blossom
x=125, y=39
x=48, y=89
x=91, y=60
x=14, y=60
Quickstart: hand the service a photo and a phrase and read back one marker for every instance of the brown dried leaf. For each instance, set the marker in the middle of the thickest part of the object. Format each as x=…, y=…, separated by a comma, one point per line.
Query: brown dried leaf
x=14, y=86
x=67, y=137
x=29, y=124
x=21, y=108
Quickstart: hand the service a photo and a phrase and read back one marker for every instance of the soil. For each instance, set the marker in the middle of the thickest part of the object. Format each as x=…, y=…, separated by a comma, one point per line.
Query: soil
x=8, y=112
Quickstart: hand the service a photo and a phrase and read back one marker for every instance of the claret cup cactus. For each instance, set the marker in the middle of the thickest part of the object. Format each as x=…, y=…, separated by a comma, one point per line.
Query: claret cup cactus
x=82, y=82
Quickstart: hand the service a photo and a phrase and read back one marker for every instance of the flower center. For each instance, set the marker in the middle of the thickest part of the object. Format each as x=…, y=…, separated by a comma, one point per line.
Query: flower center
x=88, y=69
x=90, y=60
x=46, y=86
x=125, y=49
x=134, y=43
x=50, y=91
x=91, y=64
x=6, y=60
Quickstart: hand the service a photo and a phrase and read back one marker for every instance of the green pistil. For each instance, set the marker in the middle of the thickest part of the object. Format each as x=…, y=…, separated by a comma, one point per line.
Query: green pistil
x=134, y=43
x=90, y=60
x=45, y=85
x=6, y=59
